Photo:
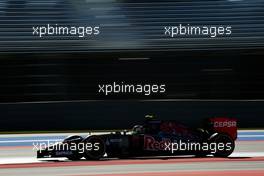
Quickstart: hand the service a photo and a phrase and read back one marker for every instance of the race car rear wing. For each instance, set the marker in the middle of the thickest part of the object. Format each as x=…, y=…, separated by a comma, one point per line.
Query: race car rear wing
x=222, y=125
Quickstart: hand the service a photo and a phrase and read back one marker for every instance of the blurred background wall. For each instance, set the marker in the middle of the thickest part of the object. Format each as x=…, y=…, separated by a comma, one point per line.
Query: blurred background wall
x=44, y=81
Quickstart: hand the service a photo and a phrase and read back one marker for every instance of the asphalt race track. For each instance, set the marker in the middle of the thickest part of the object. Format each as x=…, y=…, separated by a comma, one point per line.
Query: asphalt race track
x=17, y=157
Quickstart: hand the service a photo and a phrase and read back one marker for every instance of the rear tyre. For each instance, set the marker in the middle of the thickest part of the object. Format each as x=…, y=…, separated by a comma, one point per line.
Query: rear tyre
x=223, y=140
x=96, y=151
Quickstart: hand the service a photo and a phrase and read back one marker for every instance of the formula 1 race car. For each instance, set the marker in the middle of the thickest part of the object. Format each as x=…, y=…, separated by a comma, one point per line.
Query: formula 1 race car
x=153, y=138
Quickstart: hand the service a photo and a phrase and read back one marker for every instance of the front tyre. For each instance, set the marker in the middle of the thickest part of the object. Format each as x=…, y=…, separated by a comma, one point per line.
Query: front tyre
x=74, y=157
x=95, y=148
x=72, y=142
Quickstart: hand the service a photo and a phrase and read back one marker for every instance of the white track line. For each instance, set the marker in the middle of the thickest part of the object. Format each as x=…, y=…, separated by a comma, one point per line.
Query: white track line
x=25, y=141
x=247, y=154
x=25, y=160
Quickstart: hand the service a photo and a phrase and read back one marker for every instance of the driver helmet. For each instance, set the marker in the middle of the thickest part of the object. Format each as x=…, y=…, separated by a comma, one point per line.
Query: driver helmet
x=138, y=129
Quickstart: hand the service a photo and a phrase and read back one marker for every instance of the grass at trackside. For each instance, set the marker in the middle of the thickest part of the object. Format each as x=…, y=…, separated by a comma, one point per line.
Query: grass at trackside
x=83, y=131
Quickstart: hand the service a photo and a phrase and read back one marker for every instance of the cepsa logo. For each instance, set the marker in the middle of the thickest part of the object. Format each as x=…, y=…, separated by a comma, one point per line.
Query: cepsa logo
x=218, y=124
x=151, y=144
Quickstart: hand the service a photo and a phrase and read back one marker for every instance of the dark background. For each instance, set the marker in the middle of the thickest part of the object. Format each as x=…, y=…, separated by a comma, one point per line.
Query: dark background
x=123, y=114
x=52, y=83
x=221, y=75
x=60, y=92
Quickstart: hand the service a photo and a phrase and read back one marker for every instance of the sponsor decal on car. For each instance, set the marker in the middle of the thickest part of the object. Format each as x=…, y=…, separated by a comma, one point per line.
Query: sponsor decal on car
x=150, y=143
x=63, y=153
x=225, y=124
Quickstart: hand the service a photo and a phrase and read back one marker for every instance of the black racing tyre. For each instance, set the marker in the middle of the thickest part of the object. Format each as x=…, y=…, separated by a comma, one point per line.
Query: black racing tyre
x=223, y=140
x=97, y=151
x=75, y=157
x=201, y=154
x=74, y=140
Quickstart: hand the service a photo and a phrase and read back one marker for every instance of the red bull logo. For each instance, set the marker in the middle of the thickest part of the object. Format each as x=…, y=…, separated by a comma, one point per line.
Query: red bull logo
x=150, y=143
